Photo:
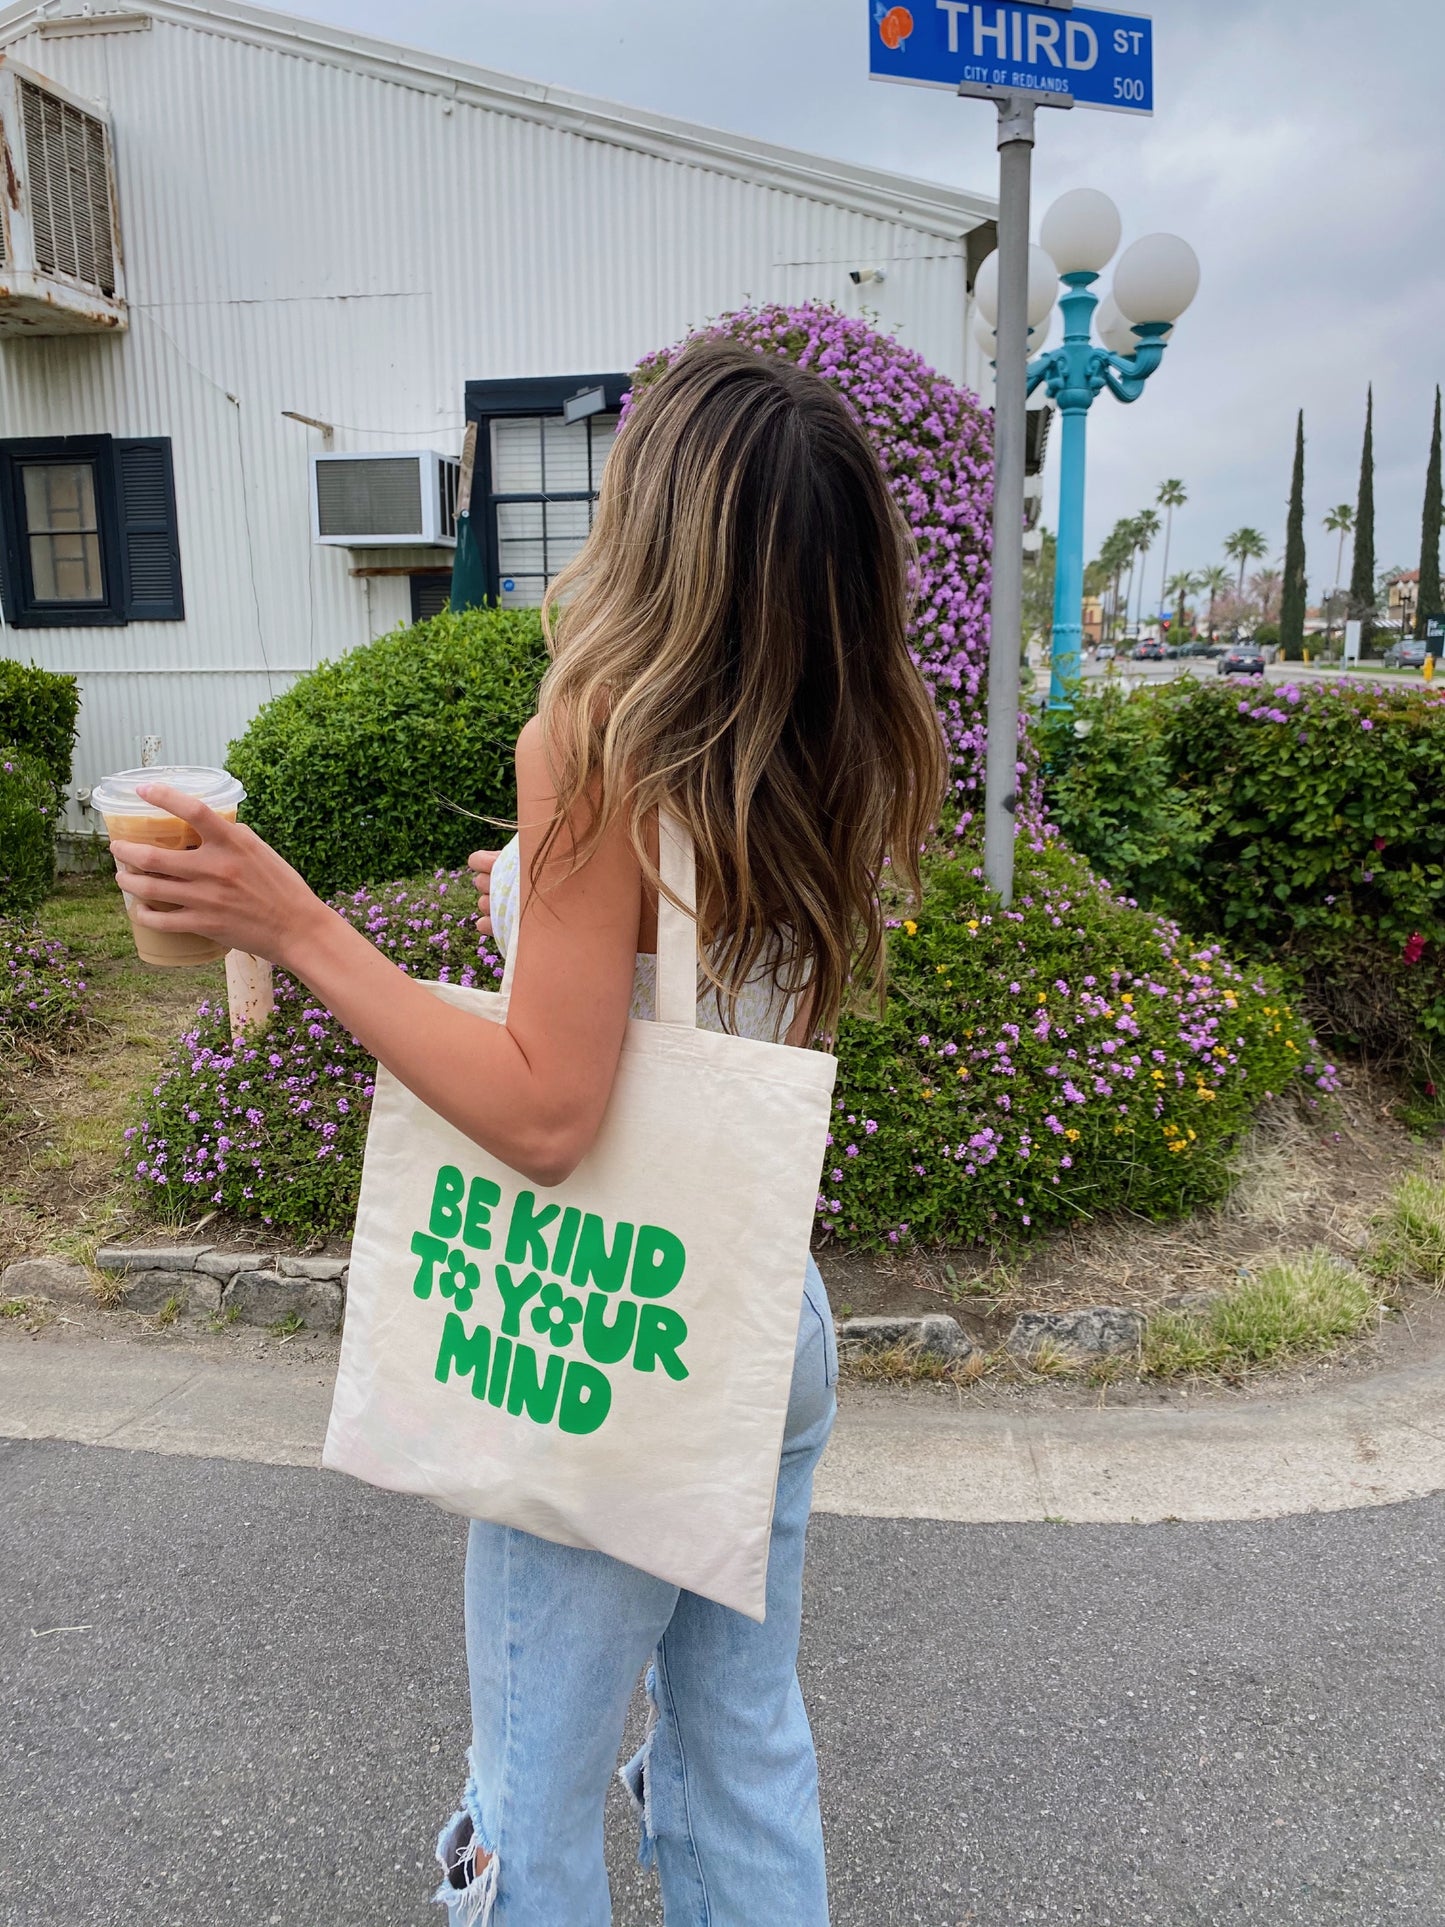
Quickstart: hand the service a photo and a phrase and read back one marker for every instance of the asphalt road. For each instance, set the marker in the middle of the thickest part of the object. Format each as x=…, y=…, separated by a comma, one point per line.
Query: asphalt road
x=236, y=1692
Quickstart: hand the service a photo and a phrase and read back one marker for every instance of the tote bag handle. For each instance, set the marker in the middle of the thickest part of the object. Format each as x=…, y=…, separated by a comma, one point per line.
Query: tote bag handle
x=676, y=929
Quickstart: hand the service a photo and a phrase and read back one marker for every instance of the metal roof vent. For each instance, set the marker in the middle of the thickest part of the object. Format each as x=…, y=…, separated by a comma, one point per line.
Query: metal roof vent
x=60, y=269
x=384, y=500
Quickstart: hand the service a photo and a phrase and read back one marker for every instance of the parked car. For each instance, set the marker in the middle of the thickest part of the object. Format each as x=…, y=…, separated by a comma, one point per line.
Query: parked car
x=1149, y=651
x=1408, y=654
x=1200, y=646
x=1105, y=652
x=1242, y=660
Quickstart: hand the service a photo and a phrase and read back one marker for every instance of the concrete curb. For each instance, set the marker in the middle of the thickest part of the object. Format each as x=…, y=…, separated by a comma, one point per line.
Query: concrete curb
x=905, y=1457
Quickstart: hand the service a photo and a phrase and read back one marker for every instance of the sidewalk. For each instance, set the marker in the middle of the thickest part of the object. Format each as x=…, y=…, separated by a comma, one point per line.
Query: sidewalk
x=914, y=1454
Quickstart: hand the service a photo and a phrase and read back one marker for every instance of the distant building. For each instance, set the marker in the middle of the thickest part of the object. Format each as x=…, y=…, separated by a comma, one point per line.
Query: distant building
x=256, y=277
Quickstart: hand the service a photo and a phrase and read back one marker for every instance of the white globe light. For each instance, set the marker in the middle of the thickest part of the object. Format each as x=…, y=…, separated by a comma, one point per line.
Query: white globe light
x=1112, y=329
x=1043, y=287
x=985, y=337
x=1081, y=231
x=1156, y=278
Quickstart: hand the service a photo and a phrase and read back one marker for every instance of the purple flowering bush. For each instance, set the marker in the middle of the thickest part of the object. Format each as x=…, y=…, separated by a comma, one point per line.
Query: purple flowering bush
x=44, y=989
x=273, y=1126
x=1034, y=1066
x=1305, y=828
x=934, y=440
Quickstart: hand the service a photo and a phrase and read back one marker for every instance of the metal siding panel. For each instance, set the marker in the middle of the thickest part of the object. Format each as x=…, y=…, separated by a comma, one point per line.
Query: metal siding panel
x=376, y=247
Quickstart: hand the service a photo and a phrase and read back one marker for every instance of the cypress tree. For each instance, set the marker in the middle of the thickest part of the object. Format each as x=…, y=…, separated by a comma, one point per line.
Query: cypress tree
x=1430, y=601
x=1362, y=574
x=1293, y=597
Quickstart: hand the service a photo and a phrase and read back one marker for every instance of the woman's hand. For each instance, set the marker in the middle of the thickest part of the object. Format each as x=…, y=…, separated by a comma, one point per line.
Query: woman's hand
x=233, y=888
x=480, y=864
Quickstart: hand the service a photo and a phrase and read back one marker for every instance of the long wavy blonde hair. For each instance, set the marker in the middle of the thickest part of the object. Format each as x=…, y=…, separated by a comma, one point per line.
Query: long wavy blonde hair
x=730, y=644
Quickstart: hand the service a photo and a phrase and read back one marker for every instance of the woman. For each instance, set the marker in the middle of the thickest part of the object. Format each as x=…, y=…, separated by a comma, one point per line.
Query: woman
x=731, y=644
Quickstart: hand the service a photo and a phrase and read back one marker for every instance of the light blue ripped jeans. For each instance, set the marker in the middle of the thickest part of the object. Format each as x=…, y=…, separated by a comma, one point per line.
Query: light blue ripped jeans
x=726, y=1783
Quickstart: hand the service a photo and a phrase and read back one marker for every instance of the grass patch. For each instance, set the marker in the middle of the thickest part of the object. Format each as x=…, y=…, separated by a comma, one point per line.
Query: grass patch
x=1289, y=1309
x=288, y=1326
x=1408, y=1241
x=14, y=1308
x=170, y=1311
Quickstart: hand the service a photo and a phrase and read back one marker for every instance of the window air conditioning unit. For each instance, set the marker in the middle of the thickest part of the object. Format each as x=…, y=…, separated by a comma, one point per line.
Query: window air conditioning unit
x=385, y=501
x=60, y=259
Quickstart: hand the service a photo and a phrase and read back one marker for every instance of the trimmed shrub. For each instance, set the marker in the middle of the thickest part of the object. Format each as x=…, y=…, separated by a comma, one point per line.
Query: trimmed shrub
x=43, y=989
x=37, y=715
x=1315, y=838
x=363, y=769
x=1067, y=1057
x=28, y=814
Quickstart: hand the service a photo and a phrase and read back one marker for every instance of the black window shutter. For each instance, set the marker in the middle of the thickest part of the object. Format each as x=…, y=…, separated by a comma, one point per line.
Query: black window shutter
x=150, y=551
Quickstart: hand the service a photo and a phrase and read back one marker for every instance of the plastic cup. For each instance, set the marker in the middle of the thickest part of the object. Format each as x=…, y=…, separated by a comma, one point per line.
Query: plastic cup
x=130, y=819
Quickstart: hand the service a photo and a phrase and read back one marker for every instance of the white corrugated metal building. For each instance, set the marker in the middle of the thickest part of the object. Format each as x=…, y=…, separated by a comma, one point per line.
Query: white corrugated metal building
x=322, y=245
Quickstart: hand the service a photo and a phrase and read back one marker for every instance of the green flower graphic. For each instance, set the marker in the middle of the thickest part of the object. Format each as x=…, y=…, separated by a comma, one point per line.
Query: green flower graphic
x=460, y=1280
x=557, y=1315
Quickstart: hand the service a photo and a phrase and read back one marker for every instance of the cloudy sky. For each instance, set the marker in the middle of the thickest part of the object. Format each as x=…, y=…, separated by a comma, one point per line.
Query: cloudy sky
x=1296, y=143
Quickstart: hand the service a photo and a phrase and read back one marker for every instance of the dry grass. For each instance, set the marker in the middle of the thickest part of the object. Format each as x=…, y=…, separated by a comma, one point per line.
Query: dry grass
x=62, y=1113
x=1407, y=1244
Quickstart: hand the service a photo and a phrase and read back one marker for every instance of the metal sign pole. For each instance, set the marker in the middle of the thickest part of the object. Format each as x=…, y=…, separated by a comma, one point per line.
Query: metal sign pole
x=1015, y=152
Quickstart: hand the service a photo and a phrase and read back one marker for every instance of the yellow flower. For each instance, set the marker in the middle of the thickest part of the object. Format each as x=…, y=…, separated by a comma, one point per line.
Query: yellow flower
x=910, y=927
x=963, y=1071
x=1072, y=1136
x=1127, y=998
x=1043, y=996
x=972, y=923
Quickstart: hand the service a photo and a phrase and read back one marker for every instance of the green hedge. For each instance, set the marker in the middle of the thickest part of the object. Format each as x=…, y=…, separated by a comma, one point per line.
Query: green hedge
x=1301, y=823
x=28, y=809
x=359, y=771
x=37, y=715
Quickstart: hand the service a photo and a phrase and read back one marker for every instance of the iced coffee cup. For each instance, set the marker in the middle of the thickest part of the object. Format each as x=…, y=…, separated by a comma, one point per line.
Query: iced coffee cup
x=130, y=819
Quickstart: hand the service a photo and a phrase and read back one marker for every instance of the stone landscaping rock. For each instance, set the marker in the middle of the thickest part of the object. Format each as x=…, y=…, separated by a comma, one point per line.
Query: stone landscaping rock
x=46, y=1278
x=151, y=1291
x=328, y=1269
x=150, y=1257
x=268, y=1298
x=1096, y=1329
x=937, y=1333
x=225, y=1264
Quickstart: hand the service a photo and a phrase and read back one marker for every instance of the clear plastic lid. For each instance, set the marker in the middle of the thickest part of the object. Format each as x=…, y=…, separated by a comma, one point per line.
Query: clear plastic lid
x=116, y=795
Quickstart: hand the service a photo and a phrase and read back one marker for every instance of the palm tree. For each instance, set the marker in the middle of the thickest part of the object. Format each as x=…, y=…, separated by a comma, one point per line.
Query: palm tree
x=1339, y=522
x=1180, y=587
x=1171, y=496
x=1216, y=580
x=1146, y=527
x=1265, y=587
x=1244, y=546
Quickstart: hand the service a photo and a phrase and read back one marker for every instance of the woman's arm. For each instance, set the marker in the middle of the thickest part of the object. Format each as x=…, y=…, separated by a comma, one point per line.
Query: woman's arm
x=533, y=1092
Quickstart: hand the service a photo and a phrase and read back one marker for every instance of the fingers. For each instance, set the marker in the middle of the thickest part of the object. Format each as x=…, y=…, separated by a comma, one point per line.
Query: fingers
x=484, y=926
x=148, y=859
x=190, y=809
x=481, y=861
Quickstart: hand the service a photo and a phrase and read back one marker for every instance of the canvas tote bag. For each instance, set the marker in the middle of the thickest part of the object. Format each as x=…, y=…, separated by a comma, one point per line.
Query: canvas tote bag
x=607, y=1362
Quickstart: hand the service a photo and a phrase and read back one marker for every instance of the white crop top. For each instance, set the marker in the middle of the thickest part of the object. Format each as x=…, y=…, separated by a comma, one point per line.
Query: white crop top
x=762, y=1011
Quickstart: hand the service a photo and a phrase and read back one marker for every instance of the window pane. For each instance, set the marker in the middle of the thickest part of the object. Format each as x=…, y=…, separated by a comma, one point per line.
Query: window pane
x=520, y=549
x=522, y=591
x=567, y=524
x=604, y=428
x=517, y=455
x=66, y=568
x=59, y=495
x=565, y=449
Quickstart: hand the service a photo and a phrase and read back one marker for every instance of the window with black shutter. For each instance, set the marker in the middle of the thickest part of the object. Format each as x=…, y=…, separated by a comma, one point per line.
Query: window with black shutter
x=88, y=531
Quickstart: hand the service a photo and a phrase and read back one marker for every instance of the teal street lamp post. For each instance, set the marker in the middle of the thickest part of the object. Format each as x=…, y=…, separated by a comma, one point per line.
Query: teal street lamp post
x=1156, y=278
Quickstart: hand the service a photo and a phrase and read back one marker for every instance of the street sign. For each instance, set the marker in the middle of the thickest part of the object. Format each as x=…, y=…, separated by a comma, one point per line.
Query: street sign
x=1077, y=56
